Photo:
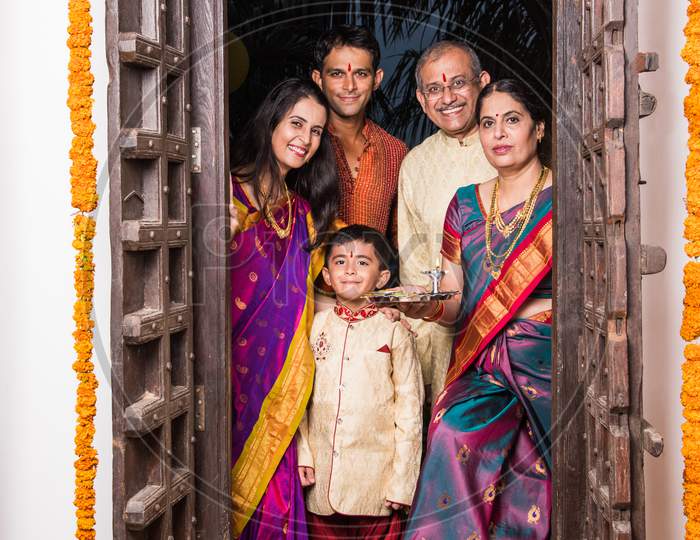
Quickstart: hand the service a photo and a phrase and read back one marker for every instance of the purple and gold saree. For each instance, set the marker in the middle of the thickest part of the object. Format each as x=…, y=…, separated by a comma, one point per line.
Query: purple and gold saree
x=486, y=473
x=272, y=366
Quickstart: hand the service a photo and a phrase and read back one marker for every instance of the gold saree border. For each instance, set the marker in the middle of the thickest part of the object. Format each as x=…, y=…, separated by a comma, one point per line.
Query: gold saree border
x=451, y=247
x=280, y=415
x=529, y=263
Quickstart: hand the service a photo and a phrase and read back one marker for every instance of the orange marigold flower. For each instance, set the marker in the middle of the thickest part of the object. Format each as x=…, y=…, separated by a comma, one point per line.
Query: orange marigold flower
x=690, y=394
x=83, y=172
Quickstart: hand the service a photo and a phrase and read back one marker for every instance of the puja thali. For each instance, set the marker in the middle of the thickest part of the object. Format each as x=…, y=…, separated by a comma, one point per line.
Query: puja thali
x=396, y=296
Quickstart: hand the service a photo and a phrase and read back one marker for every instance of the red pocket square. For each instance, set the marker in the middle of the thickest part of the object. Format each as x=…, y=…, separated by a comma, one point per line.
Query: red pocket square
x=384, y=348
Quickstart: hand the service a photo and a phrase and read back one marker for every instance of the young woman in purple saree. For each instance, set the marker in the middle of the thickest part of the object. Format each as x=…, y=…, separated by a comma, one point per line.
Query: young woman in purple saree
x=273, y=265
x=486, y=474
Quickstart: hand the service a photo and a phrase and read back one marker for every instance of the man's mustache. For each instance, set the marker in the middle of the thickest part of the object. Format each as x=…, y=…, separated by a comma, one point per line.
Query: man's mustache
x=451, y=106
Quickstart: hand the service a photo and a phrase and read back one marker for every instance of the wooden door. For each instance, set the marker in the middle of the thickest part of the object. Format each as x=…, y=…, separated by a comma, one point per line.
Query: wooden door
x=170, y=347
x=151, y=233
x=599, y=434
x=211, y=283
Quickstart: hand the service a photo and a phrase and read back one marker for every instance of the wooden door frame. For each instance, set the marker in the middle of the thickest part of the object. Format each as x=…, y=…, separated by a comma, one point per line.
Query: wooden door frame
x=211, y=286
x=568, y=448
x=212, y=318
x=571, y=487
x=151, y=301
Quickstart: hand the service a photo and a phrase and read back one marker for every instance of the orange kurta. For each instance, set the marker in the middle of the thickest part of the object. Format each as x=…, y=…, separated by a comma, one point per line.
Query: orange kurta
x=369, y=198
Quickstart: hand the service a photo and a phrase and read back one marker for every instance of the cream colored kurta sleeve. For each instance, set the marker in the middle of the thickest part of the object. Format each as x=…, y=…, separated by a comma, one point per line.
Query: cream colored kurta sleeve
x=304, y=456
x=430, y=175
x=414, y=251
x=408, y=405
x=413, y=241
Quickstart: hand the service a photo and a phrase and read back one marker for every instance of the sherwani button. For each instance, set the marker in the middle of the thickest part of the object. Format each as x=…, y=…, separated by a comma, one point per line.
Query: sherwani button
x=335, y=453
x=340, y=420
x=347, y=358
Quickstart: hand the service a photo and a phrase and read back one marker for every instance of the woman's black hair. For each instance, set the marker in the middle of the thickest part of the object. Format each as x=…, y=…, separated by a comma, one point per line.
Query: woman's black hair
x=536, y=107
x=252, y=156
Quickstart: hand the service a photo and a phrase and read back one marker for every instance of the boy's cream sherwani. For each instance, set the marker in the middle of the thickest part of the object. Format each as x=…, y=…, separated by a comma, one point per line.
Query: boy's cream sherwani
x=362, y=429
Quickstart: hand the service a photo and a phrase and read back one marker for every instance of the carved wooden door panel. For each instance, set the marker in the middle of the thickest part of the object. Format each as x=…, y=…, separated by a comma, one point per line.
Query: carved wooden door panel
x=599, y=479
x=150, y=222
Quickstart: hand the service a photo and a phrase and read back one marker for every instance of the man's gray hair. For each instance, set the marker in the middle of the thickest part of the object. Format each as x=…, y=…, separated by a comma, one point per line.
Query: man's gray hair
x=436, y=50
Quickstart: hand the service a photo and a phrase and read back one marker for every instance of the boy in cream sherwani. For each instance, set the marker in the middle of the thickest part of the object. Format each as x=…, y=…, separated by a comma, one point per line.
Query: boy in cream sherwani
x=359, y=443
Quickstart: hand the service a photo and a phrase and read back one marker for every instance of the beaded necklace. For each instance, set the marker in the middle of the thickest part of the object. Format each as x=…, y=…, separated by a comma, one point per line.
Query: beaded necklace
x=494, y=262
x=270, y=218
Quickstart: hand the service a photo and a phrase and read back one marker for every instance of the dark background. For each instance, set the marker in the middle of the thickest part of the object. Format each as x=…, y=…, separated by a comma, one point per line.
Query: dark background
x=270, y=40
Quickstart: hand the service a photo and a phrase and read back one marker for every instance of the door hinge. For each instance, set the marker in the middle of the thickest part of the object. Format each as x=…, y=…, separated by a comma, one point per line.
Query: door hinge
x=653, y=259
x=196, y=164
x=199, y=404
x=652, y=440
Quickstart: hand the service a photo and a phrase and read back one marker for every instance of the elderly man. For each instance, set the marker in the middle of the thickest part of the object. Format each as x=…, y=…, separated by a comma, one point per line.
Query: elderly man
x=449, y=78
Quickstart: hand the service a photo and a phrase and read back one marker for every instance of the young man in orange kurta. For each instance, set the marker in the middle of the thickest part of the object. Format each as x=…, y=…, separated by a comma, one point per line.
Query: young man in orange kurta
x=367, y=157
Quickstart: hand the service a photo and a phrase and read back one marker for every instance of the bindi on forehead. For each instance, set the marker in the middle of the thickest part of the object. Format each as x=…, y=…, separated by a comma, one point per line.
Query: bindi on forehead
x=444, y=78
x=349, y=67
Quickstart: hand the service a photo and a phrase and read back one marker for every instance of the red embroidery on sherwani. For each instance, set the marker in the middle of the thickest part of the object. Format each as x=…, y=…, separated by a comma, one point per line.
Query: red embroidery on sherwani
x=384, y=348
x=321, y=347
x=350, y=316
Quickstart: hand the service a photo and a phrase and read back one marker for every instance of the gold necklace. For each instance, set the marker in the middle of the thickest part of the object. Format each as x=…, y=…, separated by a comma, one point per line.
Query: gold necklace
x=507, y=229
x=282, y=233
x=494, y=262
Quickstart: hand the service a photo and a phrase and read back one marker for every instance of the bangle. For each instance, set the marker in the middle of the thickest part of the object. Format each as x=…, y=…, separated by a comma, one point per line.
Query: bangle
x=437, y=314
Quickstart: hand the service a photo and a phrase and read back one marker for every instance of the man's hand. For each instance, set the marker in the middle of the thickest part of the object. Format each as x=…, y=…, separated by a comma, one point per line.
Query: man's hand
x=394, y=505
x=394, y=315
x=307, y=476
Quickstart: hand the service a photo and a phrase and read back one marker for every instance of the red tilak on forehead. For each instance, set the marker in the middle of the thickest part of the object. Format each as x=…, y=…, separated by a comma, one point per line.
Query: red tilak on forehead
x=351, y=254
x=444, y=79
x=349, y=68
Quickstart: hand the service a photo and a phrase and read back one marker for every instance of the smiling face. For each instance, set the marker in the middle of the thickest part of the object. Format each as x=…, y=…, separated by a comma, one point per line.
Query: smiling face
x=348, y=80
x=452, y=110
x=507, y=132
x=298, y=135
x=353, y=270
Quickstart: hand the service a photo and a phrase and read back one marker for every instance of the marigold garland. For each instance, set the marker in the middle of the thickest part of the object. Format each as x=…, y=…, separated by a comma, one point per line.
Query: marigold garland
x=83, y=174
x=690, y=329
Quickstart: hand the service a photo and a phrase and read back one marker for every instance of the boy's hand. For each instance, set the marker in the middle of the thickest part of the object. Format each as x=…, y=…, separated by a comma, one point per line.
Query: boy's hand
x=394, y=505
x=307, y=476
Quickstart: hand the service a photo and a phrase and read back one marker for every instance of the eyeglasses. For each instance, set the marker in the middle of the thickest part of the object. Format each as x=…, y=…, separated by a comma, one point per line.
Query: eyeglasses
x=458, y=86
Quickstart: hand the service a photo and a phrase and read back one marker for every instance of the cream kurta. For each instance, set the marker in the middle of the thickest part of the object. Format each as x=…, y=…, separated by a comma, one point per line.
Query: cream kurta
x=362, y=429
x=430, y=175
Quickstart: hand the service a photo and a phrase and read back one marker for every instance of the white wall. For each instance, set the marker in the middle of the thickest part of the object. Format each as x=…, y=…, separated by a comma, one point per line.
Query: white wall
x=663, y=151
x=37, y=384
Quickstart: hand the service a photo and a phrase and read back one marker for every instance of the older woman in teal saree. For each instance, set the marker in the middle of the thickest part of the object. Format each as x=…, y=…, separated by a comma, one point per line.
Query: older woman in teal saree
x=486, y=473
